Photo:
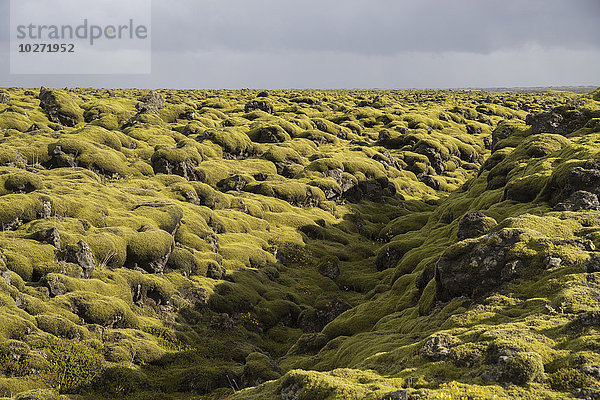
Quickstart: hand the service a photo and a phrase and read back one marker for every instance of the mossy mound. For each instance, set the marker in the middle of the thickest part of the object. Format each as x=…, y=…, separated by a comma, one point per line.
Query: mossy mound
x=298, y=244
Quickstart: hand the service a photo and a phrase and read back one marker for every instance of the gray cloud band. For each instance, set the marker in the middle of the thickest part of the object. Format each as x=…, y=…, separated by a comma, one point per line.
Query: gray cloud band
x=85, y=31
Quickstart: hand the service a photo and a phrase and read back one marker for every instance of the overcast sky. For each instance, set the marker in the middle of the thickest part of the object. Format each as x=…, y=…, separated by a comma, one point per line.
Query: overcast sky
x=356, y=44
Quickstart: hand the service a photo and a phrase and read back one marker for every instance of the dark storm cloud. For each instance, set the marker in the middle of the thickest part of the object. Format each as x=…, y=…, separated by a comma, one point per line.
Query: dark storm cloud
x=356, y=44
x=375, y=26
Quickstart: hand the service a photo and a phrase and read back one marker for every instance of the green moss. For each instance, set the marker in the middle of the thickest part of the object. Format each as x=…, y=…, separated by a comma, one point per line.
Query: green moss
x=405, y=223
x=22, y=182
x=11, y=157
x=95, y=157
x=292, y=192
x=280, y=154
x=13, y=120
x=269, y=134
x=524, y=368
x=28, y=258
x=60, y=327
x=144, y=248
x=109, y=248
x=72, y=366
x=259, y=368
x=184, y=261
x=18, y=208
x=121, y=381
x=567, y=379
x=304, y=385
x=257, y=230
x=105, y=311
x=247, y=254
x=427, y=300
x=231, y=141
x=166, y=216
x=390, y=254
x=38, y=394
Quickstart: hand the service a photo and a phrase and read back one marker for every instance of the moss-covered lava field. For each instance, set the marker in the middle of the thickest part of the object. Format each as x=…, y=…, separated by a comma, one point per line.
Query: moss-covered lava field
x=299, y=245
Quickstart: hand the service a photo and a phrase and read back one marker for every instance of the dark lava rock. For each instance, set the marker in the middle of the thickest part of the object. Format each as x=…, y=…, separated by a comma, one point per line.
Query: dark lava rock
x=4, y=98
x=149, y=295
x=587, y=318
x=584, y=178
x=196, y=297
x=433, y=154
x=558, y=121
x=235, y=182
x=387, y=160
x=264, y=93
x=593, y=124
x=580, y=200
x=54, y=285
x=269, y=134
x=345, y=181
x=487, y=143
x=150, y=103
x=501, y=132
x=259, y=105
x=592, y=264
x=514, y=366
x=586, y=393
x=430, y=181
x=61, y=158
x=437, y=347
x=13, y=225
x=474, y=224
x=473, y=129
x=48, y=236
x=591, y=370
x=329, y=268
x=6, y=276
x=215, y=271
x=184, y=168
x=81, y=254
x=476, y=267
x=221, y=322
x=396, y=395
x=373, y=190
x=50, y=103
x=46, y=211
x=188, y=115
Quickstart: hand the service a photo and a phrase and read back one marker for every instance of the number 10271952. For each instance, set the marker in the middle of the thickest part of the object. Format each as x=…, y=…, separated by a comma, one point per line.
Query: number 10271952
x=46, y=48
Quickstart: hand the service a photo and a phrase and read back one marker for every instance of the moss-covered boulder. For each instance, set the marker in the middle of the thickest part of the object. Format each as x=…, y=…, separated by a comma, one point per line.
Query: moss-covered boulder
x=60, y=107
x=475, y=266
x=149, y=250
x=474, y=224
x=258, y=369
